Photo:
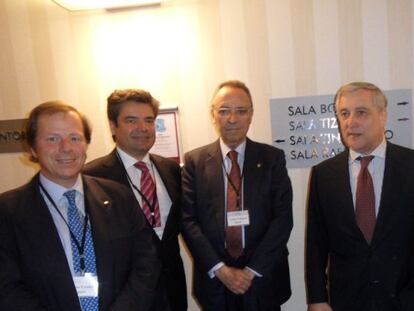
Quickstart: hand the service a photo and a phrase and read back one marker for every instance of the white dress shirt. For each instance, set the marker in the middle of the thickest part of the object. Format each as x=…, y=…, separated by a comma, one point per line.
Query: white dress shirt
x=56, y=192
x=376, y=169
x=134, y=173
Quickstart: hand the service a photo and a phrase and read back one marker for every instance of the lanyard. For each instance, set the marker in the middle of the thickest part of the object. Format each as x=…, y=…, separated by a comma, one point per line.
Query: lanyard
x=79, y=246
x=151, y=206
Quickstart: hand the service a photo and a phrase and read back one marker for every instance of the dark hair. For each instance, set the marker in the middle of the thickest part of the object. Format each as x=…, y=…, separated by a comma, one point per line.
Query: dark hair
x=118, y=97
x=50, y=108
x=234, y=84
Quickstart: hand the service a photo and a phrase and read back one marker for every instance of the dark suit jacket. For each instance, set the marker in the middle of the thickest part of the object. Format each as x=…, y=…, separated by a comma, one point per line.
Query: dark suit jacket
x=173, y=276
x=34, y=273
x=268, y=197
x=359, y=273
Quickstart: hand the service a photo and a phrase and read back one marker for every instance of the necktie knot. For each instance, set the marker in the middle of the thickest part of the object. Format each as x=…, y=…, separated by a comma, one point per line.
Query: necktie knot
x=233, y=156
x=365, y=161
x=70, y=195
x=141, y=166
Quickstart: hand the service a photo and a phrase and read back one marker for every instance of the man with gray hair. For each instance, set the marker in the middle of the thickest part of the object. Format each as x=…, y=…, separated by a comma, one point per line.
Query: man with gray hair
x=360, y=221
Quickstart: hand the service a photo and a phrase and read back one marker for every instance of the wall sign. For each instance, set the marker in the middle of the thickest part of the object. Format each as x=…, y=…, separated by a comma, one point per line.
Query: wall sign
x=12, y=135
x=307, y=130
x=167, y=143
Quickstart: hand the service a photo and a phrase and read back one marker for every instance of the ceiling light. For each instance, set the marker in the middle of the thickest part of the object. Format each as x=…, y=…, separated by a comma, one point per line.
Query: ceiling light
x=77, y=5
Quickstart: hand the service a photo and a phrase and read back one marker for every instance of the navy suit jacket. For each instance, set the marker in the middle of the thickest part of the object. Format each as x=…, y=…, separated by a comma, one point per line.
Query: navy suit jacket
x=358, y=272
x=267, y=195
x=35, y=275
x=173, y=277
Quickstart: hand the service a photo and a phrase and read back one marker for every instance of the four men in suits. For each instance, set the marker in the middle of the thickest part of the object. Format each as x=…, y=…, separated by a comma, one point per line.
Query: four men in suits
x=236, y=217
x=247, y=270
x=70, y=242
x=132, y=114
x=360, y=230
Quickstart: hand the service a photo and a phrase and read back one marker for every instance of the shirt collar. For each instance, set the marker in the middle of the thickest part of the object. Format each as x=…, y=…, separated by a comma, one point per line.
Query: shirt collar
x=378, y=152
x=240, y=149
x=129, y=161
x=56, y=191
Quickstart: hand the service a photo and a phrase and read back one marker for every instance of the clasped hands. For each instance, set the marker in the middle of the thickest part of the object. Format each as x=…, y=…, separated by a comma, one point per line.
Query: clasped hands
x=236, y=280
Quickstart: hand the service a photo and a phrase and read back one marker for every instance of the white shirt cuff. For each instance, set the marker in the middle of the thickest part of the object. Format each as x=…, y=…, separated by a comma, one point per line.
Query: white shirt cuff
x=255, y=273
x=214, y=269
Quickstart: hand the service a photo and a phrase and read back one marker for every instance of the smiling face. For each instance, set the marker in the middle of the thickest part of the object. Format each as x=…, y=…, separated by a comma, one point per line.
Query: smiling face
x=134, y=130
x=361, y=121
x=232, y=114
x=60, y=147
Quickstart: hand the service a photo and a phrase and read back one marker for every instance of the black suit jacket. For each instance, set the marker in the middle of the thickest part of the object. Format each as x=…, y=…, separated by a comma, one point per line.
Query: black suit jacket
x=267, y=195
x=360, y=273
x=173, y=277
x=34, y=273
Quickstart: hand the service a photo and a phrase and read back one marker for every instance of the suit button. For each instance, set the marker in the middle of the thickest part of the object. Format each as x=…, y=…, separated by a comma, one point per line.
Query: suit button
x=374, y=282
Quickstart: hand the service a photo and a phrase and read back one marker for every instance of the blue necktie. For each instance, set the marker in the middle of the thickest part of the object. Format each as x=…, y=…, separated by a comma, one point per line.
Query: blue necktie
x=76, y=226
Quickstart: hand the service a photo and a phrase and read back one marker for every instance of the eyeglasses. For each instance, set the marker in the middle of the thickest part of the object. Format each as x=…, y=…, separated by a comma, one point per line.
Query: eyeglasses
x=226, y=112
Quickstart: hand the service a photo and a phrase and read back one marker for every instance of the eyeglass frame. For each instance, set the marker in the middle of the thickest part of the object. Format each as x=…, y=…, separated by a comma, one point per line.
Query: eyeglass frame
x=225, y=112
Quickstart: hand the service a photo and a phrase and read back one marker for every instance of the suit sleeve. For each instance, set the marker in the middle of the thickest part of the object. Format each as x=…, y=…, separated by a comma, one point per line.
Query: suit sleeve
x=201, y=249
x=316, y=248
x=14, y=295
x=139, y=291
x=272, y=246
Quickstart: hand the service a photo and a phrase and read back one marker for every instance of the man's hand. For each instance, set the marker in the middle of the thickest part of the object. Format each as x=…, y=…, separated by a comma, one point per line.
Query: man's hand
x=319, y=307
x=236, y=280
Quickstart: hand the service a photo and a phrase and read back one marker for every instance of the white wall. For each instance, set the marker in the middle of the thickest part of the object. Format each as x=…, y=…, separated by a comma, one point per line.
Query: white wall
x=183, y=49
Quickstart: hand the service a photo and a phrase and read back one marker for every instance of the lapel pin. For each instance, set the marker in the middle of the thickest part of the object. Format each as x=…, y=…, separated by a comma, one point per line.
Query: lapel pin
x=259, y=165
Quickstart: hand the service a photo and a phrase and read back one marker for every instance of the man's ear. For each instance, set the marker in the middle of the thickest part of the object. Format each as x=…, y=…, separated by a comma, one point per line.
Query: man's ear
x=113, y=126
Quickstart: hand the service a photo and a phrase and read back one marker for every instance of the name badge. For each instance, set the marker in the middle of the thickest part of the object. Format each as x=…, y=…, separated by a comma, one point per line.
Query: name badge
x=86, y=285
x=239, y=218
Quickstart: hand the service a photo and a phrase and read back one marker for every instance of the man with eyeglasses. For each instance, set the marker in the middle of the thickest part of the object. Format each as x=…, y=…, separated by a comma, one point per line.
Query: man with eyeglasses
x=237, y=213
x=154, y=181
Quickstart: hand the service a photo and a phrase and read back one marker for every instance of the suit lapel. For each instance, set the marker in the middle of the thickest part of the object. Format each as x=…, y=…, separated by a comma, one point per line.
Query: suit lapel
x=40, y=230
x=116, y=168
x=252, y=177
x=215, y=183
x=170, y=183
x=389, y=196
x=40, y=226
x=343, y=194
x=98, y=204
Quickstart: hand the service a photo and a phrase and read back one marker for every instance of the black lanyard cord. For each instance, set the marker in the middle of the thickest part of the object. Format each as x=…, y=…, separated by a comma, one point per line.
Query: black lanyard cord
x=81, y=246
x=151, y=206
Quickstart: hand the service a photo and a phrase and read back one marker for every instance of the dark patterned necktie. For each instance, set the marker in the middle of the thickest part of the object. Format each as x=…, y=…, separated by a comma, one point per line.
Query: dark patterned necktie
x=365, y=200
x=234, y=233
x=148, y=190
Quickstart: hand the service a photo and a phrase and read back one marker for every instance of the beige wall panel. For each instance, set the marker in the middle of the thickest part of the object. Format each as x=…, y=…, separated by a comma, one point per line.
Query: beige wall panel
x=400, y=23
x=9, y=91
x=62, y=53
x=41, y=47
x=281, y=50
x=304, y=47
x=258, y=68
x=350, y=40
x=375, y=42
x=234, y=41
x=17, y=13
x=327, y=67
